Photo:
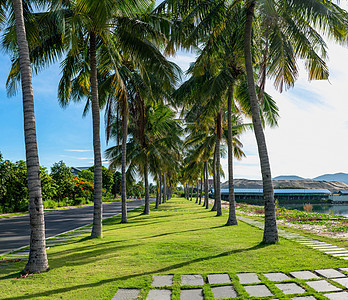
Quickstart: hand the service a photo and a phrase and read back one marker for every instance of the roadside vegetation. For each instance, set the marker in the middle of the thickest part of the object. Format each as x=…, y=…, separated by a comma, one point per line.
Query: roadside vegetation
x=180, y=237
x=327, y=222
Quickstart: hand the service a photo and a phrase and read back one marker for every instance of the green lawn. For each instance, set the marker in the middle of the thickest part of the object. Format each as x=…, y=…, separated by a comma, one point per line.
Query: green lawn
x=164, y=242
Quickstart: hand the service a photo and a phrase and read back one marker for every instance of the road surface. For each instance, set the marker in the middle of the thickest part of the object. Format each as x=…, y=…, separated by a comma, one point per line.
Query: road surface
x=15, y=231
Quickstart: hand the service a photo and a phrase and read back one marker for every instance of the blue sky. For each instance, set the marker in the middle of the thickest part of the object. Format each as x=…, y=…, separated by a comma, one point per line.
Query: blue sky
x=63, y=134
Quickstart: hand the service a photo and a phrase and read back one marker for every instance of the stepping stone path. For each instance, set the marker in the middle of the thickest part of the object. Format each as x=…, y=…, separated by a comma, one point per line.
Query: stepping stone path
x=330, y=273
x=162, y=280
x=303, y=298
x=218, y=278
x=290, y=288
x=277, y=276
x=337, y=296
x=159, y=295
x=192, y=280
x=222, y=292
x=328, y=249
x=331, y=283
x=193, y=294
x=323, y=286
x=258, y=291
x=304, y=275
x=126, y=294
x=248, y=278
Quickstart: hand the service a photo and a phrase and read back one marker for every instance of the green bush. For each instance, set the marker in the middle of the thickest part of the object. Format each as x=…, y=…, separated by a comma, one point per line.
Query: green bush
x=50, y=204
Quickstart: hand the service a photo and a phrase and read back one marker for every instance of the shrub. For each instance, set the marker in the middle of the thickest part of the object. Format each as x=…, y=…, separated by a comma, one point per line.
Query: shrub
x=50, y=204
x=307, y=207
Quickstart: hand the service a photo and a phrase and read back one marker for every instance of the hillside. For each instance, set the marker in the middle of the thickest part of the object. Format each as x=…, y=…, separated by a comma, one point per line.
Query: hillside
x=341, y=177
x=288, y=177
x=299, y=184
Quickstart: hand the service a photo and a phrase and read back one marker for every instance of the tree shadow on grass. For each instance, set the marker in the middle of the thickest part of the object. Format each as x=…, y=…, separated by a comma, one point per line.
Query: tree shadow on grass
x=106, y=281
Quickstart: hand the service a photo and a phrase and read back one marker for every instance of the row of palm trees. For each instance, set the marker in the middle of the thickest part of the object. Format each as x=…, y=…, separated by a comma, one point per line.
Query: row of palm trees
x=112, y=55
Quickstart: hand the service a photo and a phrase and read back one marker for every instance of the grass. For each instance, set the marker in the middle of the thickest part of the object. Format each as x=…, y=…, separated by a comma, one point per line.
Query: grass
x=179, y=238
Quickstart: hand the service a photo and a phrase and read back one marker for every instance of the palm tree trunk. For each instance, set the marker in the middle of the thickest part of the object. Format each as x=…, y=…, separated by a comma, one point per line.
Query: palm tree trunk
x=158, y=191
x=124, y=161
x=191, y=192
x=98, y=200
x=232, y=218
x=201, y=192
x=214, y=179
x=206, y=185
x=218, y=171
x=146, y=180
x=164, y=188
x=37, y=261
x=160, y=188
x=270, y=234
x=197, y=192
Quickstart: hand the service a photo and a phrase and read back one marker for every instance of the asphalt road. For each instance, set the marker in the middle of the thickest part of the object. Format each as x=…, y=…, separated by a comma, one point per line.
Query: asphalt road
x=15, y=231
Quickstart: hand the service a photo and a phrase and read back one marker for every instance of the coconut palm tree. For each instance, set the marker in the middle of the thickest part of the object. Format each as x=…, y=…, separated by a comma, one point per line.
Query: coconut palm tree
x=37, y=261
x=162, y=133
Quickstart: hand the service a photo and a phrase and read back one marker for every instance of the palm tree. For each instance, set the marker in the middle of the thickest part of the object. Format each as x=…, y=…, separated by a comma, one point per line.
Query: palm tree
x=162, y=133
x=37, y=256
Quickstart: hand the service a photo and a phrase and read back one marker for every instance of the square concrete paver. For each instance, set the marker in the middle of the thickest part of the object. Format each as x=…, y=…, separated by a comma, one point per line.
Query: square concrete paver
x=218, y=278
x=248, y=278
x=330, y=273
x=126, y=294
x=337, y=296
x=258, y=291
x=277, y=276
x=290, y=288
x=342, y=281
x=304, y=275
x=322, y=286
x=192, y=280
x=303, y=298
x=194, y=294
x=159, y=295
x=222, y=292
x=336, y=251
x=344, y=269
x=162, y=280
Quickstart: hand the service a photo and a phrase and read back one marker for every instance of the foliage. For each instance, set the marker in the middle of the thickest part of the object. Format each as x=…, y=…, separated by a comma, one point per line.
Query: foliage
x=59, y=186
x=138, y=189
x=87, y=175
x=13, y=186
x=63, y=178
x=116, y=187
x=108, y=178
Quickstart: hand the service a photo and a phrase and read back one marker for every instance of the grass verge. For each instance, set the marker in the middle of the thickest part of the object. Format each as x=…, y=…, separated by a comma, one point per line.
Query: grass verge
x=178, y=238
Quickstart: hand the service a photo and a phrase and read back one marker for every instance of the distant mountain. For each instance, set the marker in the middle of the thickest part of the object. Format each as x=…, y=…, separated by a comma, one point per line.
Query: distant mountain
x=340, y=177
x=288, y=177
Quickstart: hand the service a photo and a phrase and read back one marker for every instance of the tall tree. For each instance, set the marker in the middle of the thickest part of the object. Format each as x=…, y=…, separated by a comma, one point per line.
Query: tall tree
x=37, y=256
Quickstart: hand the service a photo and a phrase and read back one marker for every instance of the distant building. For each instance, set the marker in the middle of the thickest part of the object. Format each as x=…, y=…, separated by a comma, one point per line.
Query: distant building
x=210, y=183
x=77, y=170
x=280, y=194
x=339, y=197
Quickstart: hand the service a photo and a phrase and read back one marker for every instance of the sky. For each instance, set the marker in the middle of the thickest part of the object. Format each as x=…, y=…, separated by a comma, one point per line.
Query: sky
x=311, y=139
